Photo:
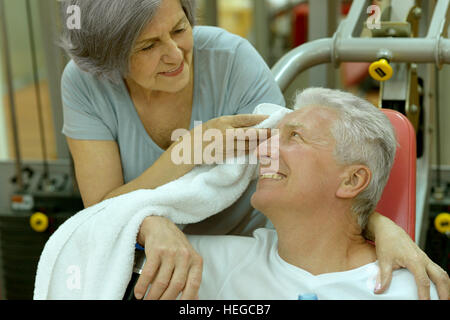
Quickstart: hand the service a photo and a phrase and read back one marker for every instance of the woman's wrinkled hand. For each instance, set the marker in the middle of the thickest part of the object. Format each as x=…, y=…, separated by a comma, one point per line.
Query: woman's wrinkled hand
x=172, y=265
x=218, y=140
x=396, y=250
x=238, y=135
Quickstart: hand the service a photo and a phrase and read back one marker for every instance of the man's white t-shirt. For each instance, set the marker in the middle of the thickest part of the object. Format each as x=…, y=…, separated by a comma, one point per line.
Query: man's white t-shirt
x=249, y=268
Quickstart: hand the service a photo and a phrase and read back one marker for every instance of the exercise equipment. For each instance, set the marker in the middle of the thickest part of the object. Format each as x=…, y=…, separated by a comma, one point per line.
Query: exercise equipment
x=381, y=70
x=404, y=55
x=41, y=200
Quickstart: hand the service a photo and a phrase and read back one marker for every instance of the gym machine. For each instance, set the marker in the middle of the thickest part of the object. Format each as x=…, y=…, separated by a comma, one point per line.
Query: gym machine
x=40, y=201
x=401, y=53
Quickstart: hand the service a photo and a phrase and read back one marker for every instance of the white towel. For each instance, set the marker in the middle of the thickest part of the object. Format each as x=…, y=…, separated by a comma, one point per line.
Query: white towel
x=91, y=255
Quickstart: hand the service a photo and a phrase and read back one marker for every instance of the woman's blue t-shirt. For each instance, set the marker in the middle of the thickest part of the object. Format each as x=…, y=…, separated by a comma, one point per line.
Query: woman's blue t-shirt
x=230, y=78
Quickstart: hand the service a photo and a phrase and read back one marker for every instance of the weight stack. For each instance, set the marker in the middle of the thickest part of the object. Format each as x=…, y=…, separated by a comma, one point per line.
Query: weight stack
x=20, y=248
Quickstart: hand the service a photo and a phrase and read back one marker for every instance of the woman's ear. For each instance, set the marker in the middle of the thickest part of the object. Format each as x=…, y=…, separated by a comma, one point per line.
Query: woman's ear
x=355, y=179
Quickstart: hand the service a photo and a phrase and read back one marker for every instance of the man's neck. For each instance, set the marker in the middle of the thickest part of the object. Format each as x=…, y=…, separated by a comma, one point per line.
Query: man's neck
x=331, y=245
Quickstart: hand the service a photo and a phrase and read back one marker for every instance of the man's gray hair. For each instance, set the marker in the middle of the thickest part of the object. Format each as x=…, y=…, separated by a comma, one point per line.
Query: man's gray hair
x=109, y=30
x=364, y=135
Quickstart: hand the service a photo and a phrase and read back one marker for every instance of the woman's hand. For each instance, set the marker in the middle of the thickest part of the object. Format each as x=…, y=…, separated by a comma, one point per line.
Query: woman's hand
x=224, y=138
x=238, y=130
x=396, y=250
x=172, y=265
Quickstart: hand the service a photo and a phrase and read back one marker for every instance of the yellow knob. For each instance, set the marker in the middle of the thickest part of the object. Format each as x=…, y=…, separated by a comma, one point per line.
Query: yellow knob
x=442, y=222
x=39, y=222
x=381, y=70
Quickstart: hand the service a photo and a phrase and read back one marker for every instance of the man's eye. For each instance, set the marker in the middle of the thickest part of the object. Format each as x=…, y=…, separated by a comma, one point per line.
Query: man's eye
x=296, y=135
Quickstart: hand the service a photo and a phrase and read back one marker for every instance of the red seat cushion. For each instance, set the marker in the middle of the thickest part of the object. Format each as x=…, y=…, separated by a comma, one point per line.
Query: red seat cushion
x=398, y=201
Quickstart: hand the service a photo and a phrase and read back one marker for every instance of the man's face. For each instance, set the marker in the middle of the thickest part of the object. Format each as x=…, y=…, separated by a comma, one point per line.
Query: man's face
x=308, y=173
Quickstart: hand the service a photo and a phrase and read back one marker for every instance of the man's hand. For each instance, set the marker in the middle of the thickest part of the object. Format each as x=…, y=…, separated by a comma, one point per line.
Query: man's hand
x=172, y=265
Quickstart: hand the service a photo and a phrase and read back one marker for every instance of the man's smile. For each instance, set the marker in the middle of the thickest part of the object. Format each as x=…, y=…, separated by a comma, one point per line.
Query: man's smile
x=274, y=176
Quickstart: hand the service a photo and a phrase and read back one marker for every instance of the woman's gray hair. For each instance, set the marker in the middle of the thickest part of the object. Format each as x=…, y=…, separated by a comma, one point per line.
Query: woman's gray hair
x=363, y=135
x=109, y=30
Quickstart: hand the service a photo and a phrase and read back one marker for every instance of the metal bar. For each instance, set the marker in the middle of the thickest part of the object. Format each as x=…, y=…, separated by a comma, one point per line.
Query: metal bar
x=322, y=24
x=300, y=59
x=12, y=103
x=211, y=13
x=261, y=29
x=55, y=62
x=354, y=22
x=444, y=51
x=313, y=53
x=440, y=15
x=37, y=88
x=399, y=49
x=322, y=19
x=438, y=129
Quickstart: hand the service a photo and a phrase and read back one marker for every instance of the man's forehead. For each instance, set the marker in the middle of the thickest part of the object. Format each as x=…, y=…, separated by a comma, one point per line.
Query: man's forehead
x=307, y=116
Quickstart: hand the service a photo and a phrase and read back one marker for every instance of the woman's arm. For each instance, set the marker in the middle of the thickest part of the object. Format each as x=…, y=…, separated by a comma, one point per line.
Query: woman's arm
x=98, y=168
x=161, y=172
x=396, y=250
x=99, y=171
x=172, y=265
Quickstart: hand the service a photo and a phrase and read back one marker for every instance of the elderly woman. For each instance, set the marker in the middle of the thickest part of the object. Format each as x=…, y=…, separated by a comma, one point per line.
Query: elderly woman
x=139, y=71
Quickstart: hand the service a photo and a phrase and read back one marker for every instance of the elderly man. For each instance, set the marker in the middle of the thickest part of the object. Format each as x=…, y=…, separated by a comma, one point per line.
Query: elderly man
x=335, y=155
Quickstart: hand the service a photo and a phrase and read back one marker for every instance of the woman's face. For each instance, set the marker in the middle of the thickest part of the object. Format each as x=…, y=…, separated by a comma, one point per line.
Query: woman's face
x=162, y=56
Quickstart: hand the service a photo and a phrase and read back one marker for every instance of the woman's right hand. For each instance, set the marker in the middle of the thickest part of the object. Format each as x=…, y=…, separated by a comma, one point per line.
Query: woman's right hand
x=172, y=265
x=238, y=136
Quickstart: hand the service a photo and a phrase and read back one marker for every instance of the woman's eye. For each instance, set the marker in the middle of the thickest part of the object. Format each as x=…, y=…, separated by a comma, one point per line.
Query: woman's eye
x=180, y=31
x=148, y=48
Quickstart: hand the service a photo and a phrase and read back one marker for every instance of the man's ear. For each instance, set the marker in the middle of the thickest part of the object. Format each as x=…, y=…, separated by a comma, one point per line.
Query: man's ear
x=355, y=179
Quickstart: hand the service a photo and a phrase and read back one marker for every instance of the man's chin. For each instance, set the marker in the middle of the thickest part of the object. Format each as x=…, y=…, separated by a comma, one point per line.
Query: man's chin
x=261, y=200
